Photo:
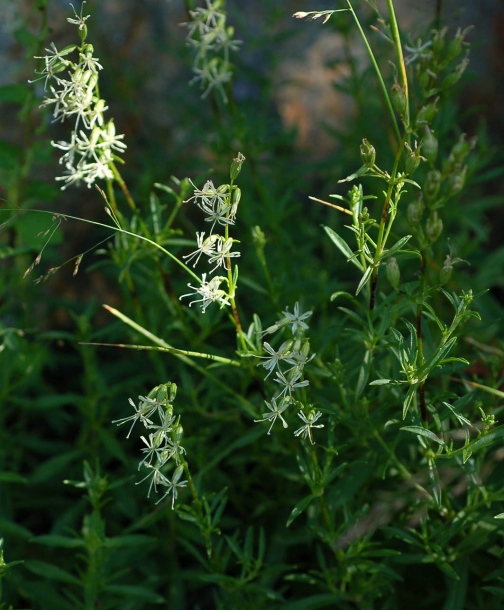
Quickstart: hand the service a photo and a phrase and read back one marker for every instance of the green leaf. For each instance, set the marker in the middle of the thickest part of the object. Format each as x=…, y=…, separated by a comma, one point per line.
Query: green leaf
x=364, y=370
x=51, y=572
x=382, y=382
x=365, y=279
x=58, y=541
x=424, y=432
x=299, y=508
x=397, y=246
x=344, y=248
x=136, y=592
x=409, y=397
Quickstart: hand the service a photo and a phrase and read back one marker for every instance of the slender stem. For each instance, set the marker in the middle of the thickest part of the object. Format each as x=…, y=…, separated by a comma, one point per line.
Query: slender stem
x=381, y=241
x=378, y=73
x=249, y=407
x=400, y=59
x=171, y=350
x=120, y=230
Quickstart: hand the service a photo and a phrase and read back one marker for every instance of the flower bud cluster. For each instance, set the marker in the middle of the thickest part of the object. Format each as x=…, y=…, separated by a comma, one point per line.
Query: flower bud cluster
x=162, y=444
x=434, y=59
x=74, y=93
x=212, y=41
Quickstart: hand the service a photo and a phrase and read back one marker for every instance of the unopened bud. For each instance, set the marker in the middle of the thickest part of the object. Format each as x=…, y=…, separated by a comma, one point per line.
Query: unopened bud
x=456, y=45
x=456, y=181
x=453, y=77
x=429, y=145
x=399, y=100
x=462, y=148
x=367, y=153
x=413, y=160
x=427, y=113
x=434, y=227
x=393, y=272
x=445, y=273
x=415, y=212
x=438, y=41
x=432, y=184
x=236, y=166
x=364, y=215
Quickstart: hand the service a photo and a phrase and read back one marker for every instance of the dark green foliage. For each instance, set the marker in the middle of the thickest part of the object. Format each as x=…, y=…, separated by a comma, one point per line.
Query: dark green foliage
x=385, y=490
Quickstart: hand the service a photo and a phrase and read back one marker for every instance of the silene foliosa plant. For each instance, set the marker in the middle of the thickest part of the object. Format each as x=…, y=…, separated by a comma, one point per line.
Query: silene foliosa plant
x=384, y=400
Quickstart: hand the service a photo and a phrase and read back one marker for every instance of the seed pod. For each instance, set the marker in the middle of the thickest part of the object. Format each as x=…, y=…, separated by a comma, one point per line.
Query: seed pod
x=456, y=181
x=427, y=113
x=453, y=77
x=367, y=153
x=429, y=145
x=434, y=227
x=432, y=184
x=438, y=41
x=399, y=100
x=415, y=212
x=456, y=45
x=413, y=160
x=393, y=272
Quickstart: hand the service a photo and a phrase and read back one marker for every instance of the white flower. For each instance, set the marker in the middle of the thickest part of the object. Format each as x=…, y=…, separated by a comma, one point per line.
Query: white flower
x=158, y=478
x=209, y=292
x=173, y=484
x=146, y=407
x=274, y=357
x=290, y=382
x=205, y=246
x=79, y=19
x=223, y=252
x=296, y=318
x=154, y=448
x=309, y=423
x=275, y=411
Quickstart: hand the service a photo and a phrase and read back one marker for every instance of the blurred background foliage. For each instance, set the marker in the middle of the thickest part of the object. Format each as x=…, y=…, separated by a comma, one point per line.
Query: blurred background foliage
x=304, y=97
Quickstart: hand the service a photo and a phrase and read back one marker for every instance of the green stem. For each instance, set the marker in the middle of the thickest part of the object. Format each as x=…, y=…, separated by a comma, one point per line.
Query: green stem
x=378, y=73
x=120, y=230
x=400, y=59
x=170, y=350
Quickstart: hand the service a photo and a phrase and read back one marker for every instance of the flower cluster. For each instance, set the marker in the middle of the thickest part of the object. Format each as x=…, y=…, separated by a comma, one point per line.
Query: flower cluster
x=288, y=362
x=212, y=41
x=73, y=93
x=220, y=206
x=163, y=442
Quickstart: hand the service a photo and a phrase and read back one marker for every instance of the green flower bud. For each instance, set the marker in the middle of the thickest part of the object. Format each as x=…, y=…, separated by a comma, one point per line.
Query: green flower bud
x=413, y=159
x=367, y=153
x=236, y=166
x=456, y=181
x=429, y=145
x=432, y=184
x=453, y=77
x=462, y=148
x=393, y=272
x=438, y=41
x=456, y=45
x=427, y=113
x=434, y=227
x=399, y=100
x=426, y=79
x=364, y=215
x=415, y=212
x=445, y=273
